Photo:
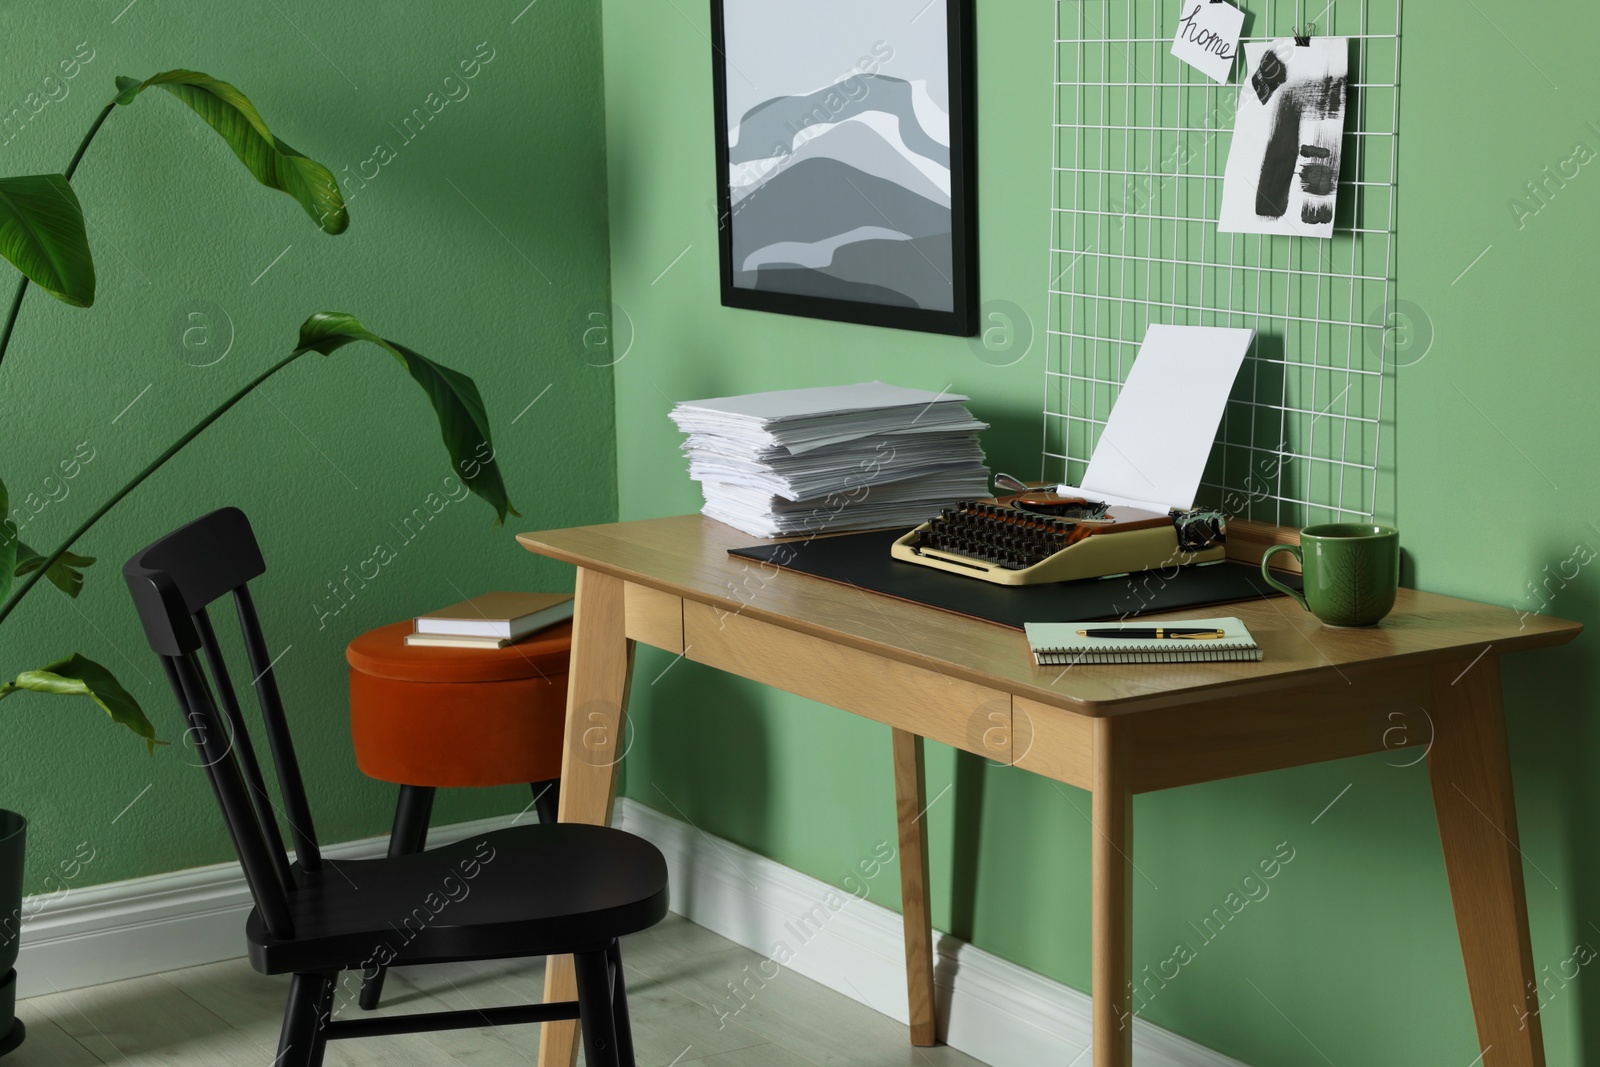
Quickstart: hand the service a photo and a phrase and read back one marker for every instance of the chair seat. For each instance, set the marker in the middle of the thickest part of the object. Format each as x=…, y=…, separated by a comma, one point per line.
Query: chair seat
x=535, y=890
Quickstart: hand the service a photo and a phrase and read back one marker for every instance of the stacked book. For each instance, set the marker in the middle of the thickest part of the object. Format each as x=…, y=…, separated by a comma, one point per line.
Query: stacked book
x=492, y=620
x=834, y=458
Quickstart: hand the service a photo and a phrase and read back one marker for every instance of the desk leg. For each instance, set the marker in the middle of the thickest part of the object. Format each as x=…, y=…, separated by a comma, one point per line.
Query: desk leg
x=597, y=703
x=910, y=800
x=1471, y=775
x=1111, y=938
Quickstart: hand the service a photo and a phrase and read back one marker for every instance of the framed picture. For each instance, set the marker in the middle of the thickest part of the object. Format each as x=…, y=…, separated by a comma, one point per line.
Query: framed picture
x=845, y=160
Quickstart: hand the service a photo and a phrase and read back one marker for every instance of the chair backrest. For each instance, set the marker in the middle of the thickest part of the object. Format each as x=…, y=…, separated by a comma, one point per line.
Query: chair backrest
x=173, y=582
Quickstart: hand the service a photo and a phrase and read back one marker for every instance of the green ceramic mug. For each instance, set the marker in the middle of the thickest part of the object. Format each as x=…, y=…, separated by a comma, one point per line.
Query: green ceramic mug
x=1351, y=571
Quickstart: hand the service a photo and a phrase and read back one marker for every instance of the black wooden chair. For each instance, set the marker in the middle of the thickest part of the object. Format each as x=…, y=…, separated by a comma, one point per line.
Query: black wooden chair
x=535, y=890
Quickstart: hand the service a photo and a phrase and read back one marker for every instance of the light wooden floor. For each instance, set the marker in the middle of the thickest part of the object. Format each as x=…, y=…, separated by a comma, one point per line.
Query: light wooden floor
x=226, y=1015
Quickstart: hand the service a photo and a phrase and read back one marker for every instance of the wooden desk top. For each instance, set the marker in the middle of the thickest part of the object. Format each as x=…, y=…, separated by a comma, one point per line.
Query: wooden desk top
x=686, y=556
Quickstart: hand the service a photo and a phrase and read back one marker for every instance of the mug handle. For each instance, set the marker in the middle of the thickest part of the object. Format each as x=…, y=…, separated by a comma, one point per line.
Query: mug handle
x=1267, y=574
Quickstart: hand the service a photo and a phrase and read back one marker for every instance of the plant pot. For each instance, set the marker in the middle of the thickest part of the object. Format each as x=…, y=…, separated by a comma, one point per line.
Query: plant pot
x=13, y=836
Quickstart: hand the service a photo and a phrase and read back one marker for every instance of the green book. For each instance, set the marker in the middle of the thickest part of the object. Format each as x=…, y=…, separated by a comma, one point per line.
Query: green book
x=1058, y=644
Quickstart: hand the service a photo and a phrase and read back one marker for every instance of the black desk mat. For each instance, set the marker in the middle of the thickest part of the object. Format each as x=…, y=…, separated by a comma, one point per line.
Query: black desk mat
x=863, y=560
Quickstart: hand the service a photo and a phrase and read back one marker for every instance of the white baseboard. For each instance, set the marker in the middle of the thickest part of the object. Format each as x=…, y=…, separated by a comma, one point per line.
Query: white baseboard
x=106, y=933
x=989, y=1008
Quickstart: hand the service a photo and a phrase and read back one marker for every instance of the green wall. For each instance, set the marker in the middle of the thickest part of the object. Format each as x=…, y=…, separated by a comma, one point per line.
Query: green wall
x=480, y=243
x=1355, y=943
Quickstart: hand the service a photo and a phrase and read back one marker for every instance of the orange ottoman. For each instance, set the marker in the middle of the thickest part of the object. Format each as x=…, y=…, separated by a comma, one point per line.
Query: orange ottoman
x=458, y=716
x=430, y=717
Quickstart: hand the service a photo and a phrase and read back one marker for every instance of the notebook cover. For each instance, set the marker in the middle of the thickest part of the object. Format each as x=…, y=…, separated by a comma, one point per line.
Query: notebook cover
x=415, y=640
x=863, y=560
x=491, y=614
x=1057, y=644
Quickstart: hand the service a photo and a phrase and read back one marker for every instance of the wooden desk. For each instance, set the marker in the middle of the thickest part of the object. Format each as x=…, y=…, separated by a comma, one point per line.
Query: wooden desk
x=1319, y=694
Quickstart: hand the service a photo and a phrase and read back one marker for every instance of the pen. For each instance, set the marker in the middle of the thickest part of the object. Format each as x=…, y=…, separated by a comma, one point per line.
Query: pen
x=1153, y=632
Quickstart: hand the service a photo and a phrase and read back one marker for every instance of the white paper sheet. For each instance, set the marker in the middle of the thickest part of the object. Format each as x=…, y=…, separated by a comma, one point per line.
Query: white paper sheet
x=1283, y=165
x=1159, y=434
x=785, y=404
x=1208, y=37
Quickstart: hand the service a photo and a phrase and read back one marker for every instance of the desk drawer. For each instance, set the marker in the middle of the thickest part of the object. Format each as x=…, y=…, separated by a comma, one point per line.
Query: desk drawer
x=914, y=699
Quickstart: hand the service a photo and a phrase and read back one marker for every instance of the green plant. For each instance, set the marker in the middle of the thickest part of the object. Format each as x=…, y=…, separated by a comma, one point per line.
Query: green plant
x=42, y=234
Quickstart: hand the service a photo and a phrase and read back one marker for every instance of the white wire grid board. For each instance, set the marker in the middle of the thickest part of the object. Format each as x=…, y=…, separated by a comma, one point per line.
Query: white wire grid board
x=1141, y=145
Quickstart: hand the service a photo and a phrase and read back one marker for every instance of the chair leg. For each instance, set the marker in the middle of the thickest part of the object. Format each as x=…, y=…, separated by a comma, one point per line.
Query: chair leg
x=619, y=1006
x=324, y=1016
x=544, y=799
x=412, y=813
x=596, y=1011
x=303, y=1039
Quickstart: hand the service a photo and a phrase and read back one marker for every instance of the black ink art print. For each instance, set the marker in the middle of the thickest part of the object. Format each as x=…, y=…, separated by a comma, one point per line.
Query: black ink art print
x=845, y=160
x=1283, y=166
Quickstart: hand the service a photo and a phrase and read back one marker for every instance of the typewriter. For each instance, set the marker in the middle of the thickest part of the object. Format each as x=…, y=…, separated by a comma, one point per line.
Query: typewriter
x=1035, y=537
x=1153, y=448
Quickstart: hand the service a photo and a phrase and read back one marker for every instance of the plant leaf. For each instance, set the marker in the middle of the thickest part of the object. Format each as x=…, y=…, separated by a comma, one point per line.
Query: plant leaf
x=79, y=676
x=65, y=573
x=8, y=543
x=274, y=164
x=463, y=422
x=42, y=234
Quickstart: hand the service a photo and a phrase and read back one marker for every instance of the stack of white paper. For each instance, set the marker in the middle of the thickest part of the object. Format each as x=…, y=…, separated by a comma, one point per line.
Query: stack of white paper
x=834, y=458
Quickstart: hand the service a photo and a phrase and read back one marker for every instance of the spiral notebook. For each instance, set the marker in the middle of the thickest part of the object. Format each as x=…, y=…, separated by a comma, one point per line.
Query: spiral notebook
x=1057, y=644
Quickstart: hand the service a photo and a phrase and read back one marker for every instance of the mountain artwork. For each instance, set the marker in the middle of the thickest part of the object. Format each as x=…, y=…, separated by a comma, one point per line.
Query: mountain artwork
x=846, y=172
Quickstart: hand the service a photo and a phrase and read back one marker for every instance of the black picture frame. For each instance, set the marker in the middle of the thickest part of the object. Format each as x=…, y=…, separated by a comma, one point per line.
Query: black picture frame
x=962, y=319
